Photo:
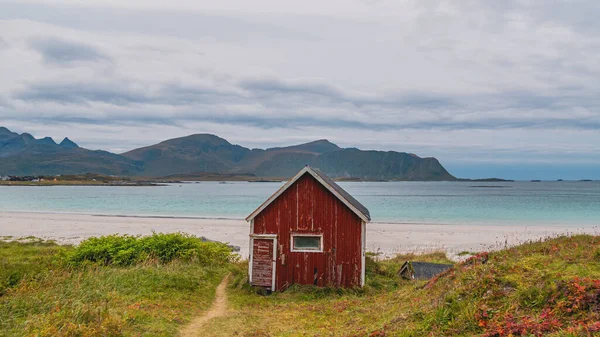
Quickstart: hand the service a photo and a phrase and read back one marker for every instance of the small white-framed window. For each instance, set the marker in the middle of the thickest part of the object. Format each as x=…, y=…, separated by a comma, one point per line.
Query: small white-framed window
x=307, y=243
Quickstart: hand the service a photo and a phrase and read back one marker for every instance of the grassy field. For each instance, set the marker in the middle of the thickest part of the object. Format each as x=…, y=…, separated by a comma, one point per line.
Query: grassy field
x=124, y=286
x=549, y=288
x=52, y=290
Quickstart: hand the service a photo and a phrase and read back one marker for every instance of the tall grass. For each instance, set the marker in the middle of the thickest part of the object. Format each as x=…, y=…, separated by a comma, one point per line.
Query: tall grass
x=542, y=288
x=108, y=286
x=27, y=258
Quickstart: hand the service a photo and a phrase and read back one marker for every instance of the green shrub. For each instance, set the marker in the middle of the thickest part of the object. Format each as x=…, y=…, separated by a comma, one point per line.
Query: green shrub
x=124, y=250
x=42, y=294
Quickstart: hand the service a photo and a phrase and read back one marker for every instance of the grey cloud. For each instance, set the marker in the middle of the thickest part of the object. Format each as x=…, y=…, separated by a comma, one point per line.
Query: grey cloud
x=185, y=94
x=82, y=93
x=4, y=102
x=267, y=103
x=303, y=87
x=436, y=69
x=122, y=93
x=188, y=24
x=64, y=52
x=3, y=44
x=527, y=100
x=580, y=16
x=269, y=87
x=277, y=103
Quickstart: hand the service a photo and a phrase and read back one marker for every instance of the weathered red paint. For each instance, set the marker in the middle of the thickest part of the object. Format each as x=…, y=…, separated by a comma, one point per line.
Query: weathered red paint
x=262, y=262
x=307, y=207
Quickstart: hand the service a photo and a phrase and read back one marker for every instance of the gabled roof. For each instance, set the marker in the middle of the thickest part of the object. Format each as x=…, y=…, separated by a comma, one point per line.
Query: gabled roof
x=345, y=197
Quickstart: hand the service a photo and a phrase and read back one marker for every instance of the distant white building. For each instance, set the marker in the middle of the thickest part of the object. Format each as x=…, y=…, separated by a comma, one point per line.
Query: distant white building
x=4, y=178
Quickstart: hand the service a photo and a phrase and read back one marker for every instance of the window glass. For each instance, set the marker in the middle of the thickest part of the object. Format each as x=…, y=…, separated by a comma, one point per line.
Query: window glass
x=307, y=243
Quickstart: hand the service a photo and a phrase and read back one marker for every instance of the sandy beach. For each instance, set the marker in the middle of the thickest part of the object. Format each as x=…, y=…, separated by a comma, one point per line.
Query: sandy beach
x=387, y=239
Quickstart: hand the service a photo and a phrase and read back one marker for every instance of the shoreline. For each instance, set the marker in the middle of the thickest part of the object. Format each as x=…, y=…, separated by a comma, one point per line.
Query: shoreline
x=382, y=222
x=386, y=238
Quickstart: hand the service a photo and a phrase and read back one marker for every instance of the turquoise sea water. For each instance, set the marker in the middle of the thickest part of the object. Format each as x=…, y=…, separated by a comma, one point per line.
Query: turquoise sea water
x=518, y=203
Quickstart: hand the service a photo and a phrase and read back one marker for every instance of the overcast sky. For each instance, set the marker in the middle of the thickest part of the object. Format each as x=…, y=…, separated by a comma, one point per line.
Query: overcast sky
x=491, y=88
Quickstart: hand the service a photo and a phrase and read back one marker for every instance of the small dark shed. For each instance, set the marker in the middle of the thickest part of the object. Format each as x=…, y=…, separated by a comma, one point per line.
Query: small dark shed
x=421, y=270
x=310, y=231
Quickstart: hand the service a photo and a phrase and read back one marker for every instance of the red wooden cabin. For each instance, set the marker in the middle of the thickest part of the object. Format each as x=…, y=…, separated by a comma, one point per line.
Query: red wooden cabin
x=310, y=231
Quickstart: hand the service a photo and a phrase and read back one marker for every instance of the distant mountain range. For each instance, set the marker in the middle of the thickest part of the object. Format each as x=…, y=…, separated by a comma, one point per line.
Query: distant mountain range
x=25, y=155
x=22, y=154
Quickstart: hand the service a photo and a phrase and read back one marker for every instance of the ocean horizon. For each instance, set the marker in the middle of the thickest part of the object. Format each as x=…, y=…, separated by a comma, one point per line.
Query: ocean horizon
x=570, y=203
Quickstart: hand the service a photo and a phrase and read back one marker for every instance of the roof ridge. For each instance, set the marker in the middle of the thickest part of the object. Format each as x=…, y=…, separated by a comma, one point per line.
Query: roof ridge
x=354, y=205
x=343, y=192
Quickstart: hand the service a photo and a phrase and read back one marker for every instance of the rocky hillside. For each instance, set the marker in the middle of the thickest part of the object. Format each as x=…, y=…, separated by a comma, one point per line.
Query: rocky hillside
x=196, y=153
x=209, y=153
x=22, y=154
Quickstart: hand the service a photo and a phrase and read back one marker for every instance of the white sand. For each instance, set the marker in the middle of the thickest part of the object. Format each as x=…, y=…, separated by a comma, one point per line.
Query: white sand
x=385, y=238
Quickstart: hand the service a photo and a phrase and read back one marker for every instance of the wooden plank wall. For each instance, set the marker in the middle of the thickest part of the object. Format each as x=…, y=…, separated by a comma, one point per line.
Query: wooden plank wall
x=262, y=263
x=309, y=208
